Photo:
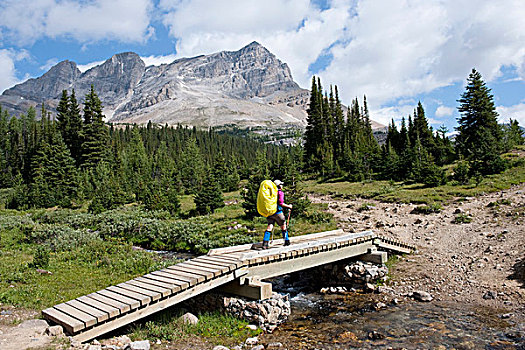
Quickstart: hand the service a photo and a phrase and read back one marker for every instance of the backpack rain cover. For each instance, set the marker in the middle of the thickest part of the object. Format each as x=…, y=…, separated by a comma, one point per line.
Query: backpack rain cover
x=267, y=198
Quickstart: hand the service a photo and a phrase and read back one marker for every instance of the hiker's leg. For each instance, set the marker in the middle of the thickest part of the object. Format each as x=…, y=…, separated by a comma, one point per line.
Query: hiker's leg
x=267, y=234
x=284, y=231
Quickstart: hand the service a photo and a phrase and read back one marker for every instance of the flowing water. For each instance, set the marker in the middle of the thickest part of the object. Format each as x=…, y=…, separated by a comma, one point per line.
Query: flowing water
x=351, y=321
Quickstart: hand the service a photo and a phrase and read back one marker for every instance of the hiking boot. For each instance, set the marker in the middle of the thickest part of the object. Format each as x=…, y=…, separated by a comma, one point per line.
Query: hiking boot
x=265, y=245
x=286, y=242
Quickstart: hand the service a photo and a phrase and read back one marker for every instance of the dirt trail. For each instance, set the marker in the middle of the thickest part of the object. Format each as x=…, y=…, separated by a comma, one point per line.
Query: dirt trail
x=481, y=262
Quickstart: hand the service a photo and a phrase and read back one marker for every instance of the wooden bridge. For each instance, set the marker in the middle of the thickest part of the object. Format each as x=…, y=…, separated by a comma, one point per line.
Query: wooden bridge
x=238, y=270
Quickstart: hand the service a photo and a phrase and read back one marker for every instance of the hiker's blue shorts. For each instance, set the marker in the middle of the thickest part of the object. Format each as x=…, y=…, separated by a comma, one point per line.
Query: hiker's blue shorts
x=276, y=218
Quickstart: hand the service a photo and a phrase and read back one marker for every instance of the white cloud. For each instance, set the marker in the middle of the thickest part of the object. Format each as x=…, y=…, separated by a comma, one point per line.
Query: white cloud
x=395, y=49
x=516, y=112
x=8, y=57
x=384, y=115
x=158, y=60
x=124, y=20
x=88, y=66
x=443, y=111
x=387, y=50
x=296, y=31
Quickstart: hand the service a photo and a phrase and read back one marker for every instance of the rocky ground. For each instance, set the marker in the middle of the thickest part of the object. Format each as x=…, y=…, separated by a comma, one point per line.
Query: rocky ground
x=481, y=262
x=470, y=252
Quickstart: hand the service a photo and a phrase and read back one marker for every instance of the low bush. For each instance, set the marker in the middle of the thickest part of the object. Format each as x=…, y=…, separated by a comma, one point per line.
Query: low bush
x=462, y=219
x=427, y=209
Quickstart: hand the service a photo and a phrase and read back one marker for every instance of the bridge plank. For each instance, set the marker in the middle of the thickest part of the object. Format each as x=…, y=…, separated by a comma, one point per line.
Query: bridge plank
x=133, y=303
x=186, y=272
x=207, y=267
x=175, y=286
x=100, y=315
x=152, y=294
x=110, y=310
x=164, y=292
x=142, y=298
x=210, y=273
x=168, y=278
x=192, y=279
x=215, y=261
x=76, y=313
x=226, y=258
x=121, y=305
x=182, y=281
x=169, y=286
x=70, y=324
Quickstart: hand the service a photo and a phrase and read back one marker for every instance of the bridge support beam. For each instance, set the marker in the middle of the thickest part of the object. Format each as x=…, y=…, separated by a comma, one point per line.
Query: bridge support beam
x=251, y=287
x=374, y=256
x=279, y=268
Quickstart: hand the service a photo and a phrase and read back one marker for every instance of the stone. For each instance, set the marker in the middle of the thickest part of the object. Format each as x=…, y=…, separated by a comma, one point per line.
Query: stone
x=252, y=327
x=374, y=335
x=420, y=295
x=39, y=326
x=258, y=347
x=251, y=341
x=94, y=347
x=139, y=345
x=220, y=347
x=189, y=318
x=272, y=346
x=55, y=331
x=489, y=295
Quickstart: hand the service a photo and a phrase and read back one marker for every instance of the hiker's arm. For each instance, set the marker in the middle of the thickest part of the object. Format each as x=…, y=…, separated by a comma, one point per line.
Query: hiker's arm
x=287, y=206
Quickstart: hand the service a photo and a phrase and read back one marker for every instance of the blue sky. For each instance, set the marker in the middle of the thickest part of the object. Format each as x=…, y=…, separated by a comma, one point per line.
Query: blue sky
x=396, y=52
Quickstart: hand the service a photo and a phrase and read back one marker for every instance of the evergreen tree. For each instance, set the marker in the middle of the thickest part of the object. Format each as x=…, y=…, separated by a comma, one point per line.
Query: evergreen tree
x=95, y=133
x=75, y=133
x=313, y=134
x=478, y=118
x=209, y=197
x=192, y=167
x=54, y=174
x=513, y=135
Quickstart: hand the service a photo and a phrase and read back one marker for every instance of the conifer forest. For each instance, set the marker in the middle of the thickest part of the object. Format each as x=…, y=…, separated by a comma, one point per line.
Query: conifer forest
x=73, y=157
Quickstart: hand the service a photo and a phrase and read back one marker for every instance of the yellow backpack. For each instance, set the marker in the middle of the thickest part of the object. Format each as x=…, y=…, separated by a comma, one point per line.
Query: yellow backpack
x=267, y=198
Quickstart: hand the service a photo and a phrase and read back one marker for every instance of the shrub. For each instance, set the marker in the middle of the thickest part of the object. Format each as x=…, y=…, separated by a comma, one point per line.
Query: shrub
x=462, y=219
x=319, y=217
x=41, y=257
x=427, y=209
x=461, y=172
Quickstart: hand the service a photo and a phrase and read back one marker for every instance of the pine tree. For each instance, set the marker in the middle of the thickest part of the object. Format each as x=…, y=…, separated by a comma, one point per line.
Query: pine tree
x=74, y=138
x=192, y=167
x=209, y=197
x=95, y=133
x=478, y=118
x=513, y=135
x=53, y=173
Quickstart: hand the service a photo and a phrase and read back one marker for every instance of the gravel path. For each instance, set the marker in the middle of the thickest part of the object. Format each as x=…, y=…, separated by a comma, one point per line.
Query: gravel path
x=481, y=262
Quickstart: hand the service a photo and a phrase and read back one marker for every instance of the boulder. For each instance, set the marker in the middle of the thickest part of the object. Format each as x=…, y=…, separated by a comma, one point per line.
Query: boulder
x=55, y=331
x=139, y=345
x=420, y=295
x=189, y=318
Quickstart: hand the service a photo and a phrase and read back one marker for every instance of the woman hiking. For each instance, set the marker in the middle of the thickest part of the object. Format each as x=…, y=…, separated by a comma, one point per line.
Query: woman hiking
x=277, y=217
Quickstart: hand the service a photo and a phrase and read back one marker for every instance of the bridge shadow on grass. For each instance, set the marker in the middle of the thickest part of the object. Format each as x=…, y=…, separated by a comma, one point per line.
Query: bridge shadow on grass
x=519, y=272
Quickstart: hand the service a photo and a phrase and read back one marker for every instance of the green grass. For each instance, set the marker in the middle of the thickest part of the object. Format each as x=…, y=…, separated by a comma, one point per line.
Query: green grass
x=90, y=252
x=417, y=193
x=217, y=328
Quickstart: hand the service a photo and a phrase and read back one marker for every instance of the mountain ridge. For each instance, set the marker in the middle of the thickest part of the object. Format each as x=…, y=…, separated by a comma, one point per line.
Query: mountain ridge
x=247, y=87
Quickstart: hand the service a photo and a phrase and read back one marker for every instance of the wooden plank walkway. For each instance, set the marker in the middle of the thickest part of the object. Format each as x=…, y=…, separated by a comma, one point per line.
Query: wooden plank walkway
x=92, y=315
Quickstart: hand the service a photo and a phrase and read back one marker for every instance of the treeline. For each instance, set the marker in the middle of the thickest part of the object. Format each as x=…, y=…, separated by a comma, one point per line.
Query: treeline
x=339, y=146
x=77, y=158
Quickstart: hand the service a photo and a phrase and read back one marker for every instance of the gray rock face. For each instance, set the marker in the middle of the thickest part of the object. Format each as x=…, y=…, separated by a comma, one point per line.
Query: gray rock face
x=246, y=87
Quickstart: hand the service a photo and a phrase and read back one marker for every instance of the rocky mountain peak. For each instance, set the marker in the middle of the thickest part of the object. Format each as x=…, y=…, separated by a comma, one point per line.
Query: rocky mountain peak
x=250, y=86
